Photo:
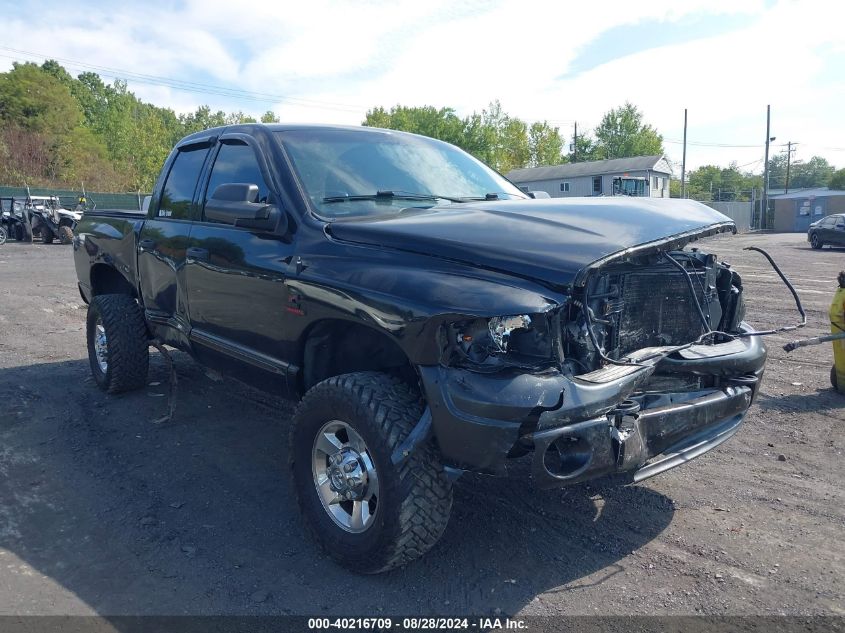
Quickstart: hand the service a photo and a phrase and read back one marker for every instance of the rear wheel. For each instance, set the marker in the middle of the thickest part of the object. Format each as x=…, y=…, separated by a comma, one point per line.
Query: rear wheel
x=815, y=242
x=118, y=346
x=367, y=513
x=2, y=235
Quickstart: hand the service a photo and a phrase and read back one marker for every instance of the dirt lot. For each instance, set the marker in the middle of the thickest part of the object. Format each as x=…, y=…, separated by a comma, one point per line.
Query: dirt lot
x=103, y=511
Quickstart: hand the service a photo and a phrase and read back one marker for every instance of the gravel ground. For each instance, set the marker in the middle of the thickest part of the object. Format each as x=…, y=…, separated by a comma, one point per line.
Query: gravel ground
x=102, y=511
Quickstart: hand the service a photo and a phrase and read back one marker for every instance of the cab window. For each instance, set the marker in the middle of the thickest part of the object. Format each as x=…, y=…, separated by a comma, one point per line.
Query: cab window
x=178, y=192
x=236, y=162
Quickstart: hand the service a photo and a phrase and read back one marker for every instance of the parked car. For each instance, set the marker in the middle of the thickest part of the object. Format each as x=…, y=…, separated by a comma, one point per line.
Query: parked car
x=432, y=318
x=829, y=230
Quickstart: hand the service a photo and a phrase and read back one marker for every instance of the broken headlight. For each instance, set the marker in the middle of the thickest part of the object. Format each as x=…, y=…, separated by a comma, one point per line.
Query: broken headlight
x=522, y=339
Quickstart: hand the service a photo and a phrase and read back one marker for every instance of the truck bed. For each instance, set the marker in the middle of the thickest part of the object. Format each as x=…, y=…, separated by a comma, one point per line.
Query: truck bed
x=107, y=237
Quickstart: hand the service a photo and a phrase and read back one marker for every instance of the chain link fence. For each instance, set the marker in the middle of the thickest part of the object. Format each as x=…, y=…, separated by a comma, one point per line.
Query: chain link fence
x=69, y=198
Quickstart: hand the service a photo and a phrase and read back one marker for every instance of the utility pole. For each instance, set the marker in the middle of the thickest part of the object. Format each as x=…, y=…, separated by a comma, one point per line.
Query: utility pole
x=575, y=144
x=684, y=162
x=765, y=199
x=789, y=151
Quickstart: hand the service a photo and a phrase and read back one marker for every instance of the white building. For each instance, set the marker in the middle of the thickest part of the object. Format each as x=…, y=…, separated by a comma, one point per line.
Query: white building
x=636, y=176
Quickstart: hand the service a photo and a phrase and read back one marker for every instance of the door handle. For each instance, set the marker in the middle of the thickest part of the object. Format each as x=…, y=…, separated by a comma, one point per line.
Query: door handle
x=200, y=254
x=147, y=244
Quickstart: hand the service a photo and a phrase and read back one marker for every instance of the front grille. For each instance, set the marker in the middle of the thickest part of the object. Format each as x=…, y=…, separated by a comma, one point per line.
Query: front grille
x=657, y=309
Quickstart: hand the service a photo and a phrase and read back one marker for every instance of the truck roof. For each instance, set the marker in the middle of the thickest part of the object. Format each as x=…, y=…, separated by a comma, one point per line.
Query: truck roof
x=280, y=127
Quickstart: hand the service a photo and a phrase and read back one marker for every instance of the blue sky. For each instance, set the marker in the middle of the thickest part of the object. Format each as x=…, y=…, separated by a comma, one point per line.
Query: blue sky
x=329, y=61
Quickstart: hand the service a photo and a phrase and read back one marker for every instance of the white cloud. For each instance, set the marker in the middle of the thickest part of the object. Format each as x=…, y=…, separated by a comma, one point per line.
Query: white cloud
x=332, y=60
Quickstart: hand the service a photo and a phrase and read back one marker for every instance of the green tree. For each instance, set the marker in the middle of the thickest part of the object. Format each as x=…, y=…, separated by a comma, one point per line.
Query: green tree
x=586, y=147
x=675, y=188
x=545, y=146
x=54, y=68
x=704, y=181
x=493, y=136
x=711, y=182
x=201, y=120
x=269, y=117
x=440, y=123
x=777, y=171
x=507, y=137
x=816, y=172
x=837, y=181
x=622, y=133
x=43, y=123
x=36, y=100
x=378, y=117
x=239, y=117
x=65, y=130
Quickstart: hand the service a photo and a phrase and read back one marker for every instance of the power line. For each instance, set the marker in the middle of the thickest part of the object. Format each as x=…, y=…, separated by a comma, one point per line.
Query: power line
x=753, y=162
x=176, y=83
x=832, y=149
x=703, y=144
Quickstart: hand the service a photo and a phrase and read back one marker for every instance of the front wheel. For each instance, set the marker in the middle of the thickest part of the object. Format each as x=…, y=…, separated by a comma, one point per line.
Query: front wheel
x=815, y=242
x=2, y=235
x=367, y=513
x=65, y=234
x=47, y=235
x=118, y=346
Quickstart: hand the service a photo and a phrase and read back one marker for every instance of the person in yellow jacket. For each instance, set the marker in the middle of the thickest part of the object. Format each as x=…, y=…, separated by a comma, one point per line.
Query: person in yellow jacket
x=837, y=325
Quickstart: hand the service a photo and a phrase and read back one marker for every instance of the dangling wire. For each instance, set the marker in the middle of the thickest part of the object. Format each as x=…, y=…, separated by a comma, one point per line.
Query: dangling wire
x=795, y=296
x=709, y=332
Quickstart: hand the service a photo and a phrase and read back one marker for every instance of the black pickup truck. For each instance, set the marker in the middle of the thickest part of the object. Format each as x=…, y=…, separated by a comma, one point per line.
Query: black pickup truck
x=432, y=318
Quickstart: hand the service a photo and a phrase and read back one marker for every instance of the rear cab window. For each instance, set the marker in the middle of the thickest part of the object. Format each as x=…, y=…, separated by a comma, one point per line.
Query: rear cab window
x=177, y=194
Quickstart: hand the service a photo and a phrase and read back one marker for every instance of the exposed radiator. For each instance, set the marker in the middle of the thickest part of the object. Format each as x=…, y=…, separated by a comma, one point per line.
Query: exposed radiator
x=657, y=309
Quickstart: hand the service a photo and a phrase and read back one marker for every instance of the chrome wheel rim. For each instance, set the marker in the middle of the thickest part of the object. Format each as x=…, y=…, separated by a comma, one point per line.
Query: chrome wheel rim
x=345, y=476
x=101, y=345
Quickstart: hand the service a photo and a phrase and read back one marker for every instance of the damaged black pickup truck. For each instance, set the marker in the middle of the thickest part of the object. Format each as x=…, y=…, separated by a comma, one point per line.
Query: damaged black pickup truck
x=432, y=318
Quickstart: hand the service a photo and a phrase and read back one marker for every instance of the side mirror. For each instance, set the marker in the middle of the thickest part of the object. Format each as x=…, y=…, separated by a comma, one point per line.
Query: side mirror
x=231, y=203
x=538, y=195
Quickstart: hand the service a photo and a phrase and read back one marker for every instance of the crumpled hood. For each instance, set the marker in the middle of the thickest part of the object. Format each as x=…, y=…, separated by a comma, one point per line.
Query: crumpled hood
x=548, y=240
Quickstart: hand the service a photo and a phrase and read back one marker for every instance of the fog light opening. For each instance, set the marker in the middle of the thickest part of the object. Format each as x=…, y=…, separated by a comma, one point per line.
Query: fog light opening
x=567, y=456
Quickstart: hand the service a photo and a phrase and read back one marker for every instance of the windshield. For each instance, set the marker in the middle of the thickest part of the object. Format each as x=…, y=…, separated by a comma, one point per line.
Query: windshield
x=366, y=173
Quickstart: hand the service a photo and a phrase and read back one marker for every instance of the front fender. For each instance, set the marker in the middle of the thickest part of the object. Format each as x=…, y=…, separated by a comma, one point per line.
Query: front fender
x=410, y=301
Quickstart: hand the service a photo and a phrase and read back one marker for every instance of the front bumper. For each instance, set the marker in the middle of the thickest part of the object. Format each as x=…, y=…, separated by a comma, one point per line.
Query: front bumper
x=583, y=427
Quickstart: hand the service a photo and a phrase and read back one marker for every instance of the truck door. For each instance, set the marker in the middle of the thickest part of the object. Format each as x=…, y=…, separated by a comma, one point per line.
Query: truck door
x=237, y=295
x=163, y=242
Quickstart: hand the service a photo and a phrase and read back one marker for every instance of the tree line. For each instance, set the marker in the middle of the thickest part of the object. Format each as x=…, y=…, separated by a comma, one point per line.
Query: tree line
x=60, y=131
x=711, y=182
x=506, y=142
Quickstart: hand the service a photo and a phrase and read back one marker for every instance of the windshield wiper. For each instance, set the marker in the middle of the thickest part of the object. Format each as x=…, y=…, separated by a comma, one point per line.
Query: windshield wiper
x=392, y=195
